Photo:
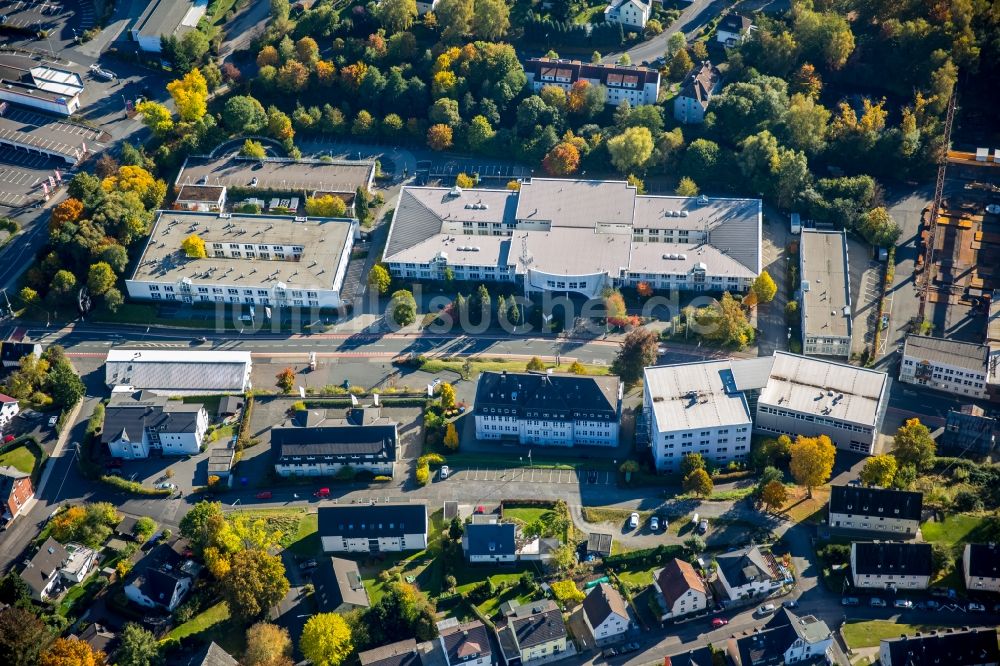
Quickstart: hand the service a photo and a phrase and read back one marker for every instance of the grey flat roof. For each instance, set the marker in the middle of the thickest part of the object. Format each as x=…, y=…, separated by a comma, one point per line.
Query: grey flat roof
x=323, y=240
x=169, y=17
x=939, y=351
x=695, y=395
x=827, y=301
x=279, y=174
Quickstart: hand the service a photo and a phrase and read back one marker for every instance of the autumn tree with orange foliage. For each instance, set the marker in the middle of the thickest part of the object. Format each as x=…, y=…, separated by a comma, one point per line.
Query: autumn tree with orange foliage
x=439, y=137
x=562, y=160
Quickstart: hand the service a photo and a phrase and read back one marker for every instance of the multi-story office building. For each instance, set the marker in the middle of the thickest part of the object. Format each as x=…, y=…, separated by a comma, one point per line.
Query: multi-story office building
x=962, y=368
x=548, y=409
x=825, y=303
x=618, y=238
x=262, y=260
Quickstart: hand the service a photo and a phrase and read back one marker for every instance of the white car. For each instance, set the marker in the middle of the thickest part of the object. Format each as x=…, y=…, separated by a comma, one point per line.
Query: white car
x=53, y=421
x=166, y=485
x=633, y=520
x=445, y=471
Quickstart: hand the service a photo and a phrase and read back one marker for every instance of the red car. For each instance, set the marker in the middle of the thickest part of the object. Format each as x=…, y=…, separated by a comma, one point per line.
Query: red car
x=719, y=622
x=322, y=492
x=264, y=494
x=7, y=439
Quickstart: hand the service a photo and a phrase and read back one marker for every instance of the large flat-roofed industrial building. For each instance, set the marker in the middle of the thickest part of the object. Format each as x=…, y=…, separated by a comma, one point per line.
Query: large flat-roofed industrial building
x=179, y=371
x=825, y=293
x=576, y=236
x=710, y=407
x=263, y=260
x=166, y=18
x=24, y=81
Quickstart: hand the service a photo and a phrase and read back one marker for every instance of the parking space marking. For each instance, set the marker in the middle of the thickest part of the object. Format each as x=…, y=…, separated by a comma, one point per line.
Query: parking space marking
x=533, y=474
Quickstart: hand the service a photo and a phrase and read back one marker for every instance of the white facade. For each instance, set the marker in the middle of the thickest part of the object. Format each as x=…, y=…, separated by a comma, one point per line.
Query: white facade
x=340, y=544
x=80, y=563
x=801, y=649
x=881, y=581
x=331, y=467
x=9, y=408
x=613, y=625
x=547, y=432
x=139, y=444
x=691, y=601
x=759, y=587
x=631, y=14
x=888, y=524
x=680, y=597
x=135, y=594
x=732, y=30
x=424, y=7
x=952, y=376
x=983, y=575
x=636, y=85
x=179, y=372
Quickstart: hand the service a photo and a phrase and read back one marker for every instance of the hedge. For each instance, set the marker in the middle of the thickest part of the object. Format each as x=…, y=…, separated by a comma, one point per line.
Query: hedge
x=244, y=434
x=646, y=556
x=134, y=487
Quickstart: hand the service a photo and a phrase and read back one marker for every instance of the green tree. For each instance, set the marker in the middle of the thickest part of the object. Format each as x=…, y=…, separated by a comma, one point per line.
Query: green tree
x=690, y=462
x=139, y=647
x=695, y=544
x=156, y=117
x=812, y=461
x=28, y=295
x=22, y=636
x=638, y=350
x=286, y=380
x=113, y=299
x=825, y=37
x=513, y=312
x=144, y=528
x=914, y=445
x=255, y=582
x=195, y=525
x=699, y=483
x=267, y=645
x=379, y=279
x=701, y=160
x=397, y=15
x=878, y=227
x=490, y=19
x=764, y=287
x=63, y=283
x=454, y=18
x=65, y=385
x=631, y=150
x=806, y=124
x=686, y=188
x=403, y=308
x=328, y=205
x=878, y=471
x=244, y=114
x=254, y=149
x=628, y=468
x=578, y=368
x=726, y=322
x=680, y=65
x=906, y=476
x=480, y=133
x=100, y=278
x=536, y=364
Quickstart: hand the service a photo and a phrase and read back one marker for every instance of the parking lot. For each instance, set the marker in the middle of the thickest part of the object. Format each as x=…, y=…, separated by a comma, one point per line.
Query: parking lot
x=21, y=175
x=534, y=475
x=64, y=20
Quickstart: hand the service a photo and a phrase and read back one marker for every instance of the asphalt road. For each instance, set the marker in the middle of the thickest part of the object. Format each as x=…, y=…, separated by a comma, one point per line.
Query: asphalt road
x=695, y=15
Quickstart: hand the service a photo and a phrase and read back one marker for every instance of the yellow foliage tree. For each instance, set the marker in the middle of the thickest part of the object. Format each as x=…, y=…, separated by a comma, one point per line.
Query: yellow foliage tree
x=774, y=495
x=194, y=247
x=156, y=117
x=578, y=368
x=66, y=652
x=567, y=592
x=451, y=437
x=326, y=640
x=812, y=461
x=464, y=181
x=327, y=205
x=190, y=95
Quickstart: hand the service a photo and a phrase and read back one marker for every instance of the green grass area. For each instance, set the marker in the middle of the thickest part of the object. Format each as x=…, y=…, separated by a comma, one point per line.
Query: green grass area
x=479, y=365
x=211, y=402
x=639, y=577
x=214, y=624
x=527, y=514
x=285, y=521
x=601, y=514
x=21, y=458
x=860, y=634
x=306, y=542
x=218, y=9
x=589, y=15
x=953, y=530
x=78, y=592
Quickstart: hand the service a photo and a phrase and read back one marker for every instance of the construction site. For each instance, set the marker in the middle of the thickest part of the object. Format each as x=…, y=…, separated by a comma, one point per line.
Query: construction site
x=960, y=235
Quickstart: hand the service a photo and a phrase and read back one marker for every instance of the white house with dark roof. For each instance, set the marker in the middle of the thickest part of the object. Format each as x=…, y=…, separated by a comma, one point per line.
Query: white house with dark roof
x=55, y=566
x=631, y=14
x=161, y=587
x=681, y=589
x=623, y=83
x=891, y=565
x=9, y=408
x=896, y=513
x=733, y=29
x=981, y=567
x=548, y=409
x=605, y=613
x=947, y=647
x=697, y=91
x=619, y=237
x=749, y=572
x=322, y=442
x=953, y=366
x=134, y=426
x=494, y=542
x=373, y=528
x=787, y=638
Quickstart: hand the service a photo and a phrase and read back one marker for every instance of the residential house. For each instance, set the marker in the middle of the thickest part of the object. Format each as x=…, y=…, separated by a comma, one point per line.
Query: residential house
x=203, y=198
x=98, y=637
x=699, y=657
x=212, y=655
x=605, y=613
x=749, y=572
x=12, y=351
x=533, y=631
x=891, y=565
x=163, y=587
x=631, y=14
x=962, y=368
x=785, y=639
x=951, y=647
x=490, y=543
x=681, y=589
x=981, y=567
x=373, y=528
x=16, y=491
x=55, y=566
x=338, y=586
x=699, y=87
x=9, y=408
x=135, y=424
x=538, y=408
x=402, y=653
x=465, y=644
x=425, y=6
x=733, y=29
x=323, y=442
x=166, y=19
x=969, y=430
x=636, y=85
x=892, y=512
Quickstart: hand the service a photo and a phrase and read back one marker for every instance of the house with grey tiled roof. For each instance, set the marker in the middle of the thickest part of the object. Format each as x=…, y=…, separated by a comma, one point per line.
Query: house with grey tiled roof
x=697, y=91
x=533, y=631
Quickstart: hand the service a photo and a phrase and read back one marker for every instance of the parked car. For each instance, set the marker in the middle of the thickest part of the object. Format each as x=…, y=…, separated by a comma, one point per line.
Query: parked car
x=654, y=524
x=53, y=420
x=444, y=472
x=633, y=520
x=322, y=492
x=932, y=605
x=719, y=622
x=628, y=647
x=8, y=439
x=766, y=609
x=308, y=564
x=975, y=608
x=903, y=603
x=165, y=485
x=790, y=603
x=703, y=527
x=264, y=494
x=610, y=652
x=877, y=603
x=850, y=601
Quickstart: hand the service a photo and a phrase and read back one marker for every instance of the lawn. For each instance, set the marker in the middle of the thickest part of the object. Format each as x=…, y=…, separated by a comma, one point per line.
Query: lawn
x=211, y=402
x=306, y=541
x=214, y=624
x=638, y=577
x=803, y=509
x=601, y=514
x=478, y=365
x=589, y=15
x=527, y=514
x=21, y=458
x=954, y=530
x=203, y=621
x=286, y=521
x=860, y=634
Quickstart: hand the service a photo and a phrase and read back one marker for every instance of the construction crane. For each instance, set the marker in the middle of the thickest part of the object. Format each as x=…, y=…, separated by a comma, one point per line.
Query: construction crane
x=936, y=204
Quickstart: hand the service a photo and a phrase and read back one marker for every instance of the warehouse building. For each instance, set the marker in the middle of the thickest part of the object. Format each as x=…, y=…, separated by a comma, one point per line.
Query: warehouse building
x=825, y=293
x=23, y=81
x=166, y=18
x=179, y=372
